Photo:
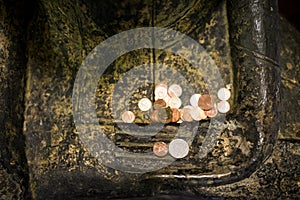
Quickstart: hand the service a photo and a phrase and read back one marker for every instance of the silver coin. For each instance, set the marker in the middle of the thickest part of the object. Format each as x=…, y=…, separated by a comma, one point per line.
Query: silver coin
x=161, y=91
x=194, y=99
x=175, y=90
x=224, y=94
x=223, y=106
x=174, y=102
x=145, y=104
x=198, y=114
x=178, y=148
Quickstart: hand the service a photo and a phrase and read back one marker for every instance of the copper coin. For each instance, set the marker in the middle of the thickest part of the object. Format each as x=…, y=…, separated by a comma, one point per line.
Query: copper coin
x=161, y=91
x=212, y=112
x=154, y=116
x=205, y=102
x=175, y=90
x=160, y=149
x=176, y=115
x=128, y=117
x=159, y=103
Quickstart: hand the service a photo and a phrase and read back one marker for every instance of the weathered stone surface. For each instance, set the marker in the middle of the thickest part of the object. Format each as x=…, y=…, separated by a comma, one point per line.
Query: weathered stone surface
x=13, y=163
x=290, y=87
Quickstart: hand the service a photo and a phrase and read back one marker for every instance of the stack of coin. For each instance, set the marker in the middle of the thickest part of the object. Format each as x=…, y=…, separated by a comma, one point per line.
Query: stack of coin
x=223, y=106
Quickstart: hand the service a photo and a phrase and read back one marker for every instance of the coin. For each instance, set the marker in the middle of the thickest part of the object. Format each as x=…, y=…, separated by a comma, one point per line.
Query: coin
x=161, y=91
x=205, y=102
x=145, y=104
x=164, y=115
x=154, y=116
x=175, y=90
x=186, y=114
x=223, y=106
x=194, y=99
x=160, y=149
x=197, y=114
x=212, y=112
x=174, y=102
x=159, y=103
x=176, y=115
x=128, y=117
x=178, y=148
x=224, y=94
x=166, y=98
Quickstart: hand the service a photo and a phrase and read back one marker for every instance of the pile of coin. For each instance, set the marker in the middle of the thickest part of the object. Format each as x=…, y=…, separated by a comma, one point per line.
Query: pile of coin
x=167, y=106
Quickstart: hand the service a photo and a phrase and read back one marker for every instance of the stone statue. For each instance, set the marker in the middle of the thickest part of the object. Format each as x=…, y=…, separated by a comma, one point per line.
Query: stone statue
x=43, y=45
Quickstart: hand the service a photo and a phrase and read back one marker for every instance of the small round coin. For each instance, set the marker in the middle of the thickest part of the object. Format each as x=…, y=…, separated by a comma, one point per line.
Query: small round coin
x=198, y=114
x=128, y=117
x=164, y=115
x=175, y=90
x=194, y=99
x=154, y=116
x=176, y=115
x=223, y=106
x=161, y=91
x=224, y=94
x=174, y=102
x=160, y=149
x=159, y=103
x=212, y=112
x=186, y=114
x=145, y=104
x=205, y=102
x=178, y=148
